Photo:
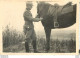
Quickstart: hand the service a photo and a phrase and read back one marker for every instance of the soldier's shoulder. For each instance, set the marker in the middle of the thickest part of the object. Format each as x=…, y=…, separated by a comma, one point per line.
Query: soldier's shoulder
x=26, y=12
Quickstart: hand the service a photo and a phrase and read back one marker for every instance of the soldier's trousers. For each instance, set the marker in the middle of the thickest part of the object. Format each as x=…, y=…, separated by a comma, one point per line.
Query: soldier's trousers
x=30, y=36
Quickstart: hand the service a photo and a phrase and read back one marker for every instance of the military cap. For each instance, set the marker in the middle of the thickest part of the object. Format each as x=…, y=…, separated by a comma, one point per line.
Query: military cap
x=29, y=3
x=56, y=5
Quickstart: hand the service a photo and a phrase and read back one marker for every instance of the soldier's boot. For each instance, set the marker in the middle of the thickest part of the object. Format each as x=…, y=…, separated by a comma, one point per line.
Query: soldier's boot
x=34, y=46
x=27, y=46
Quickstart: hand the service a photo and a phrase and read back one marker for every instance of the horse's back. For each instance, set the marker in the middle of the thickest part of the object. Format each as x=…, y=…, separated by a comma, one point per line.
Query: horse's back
x=67, y=18
x=67, y=9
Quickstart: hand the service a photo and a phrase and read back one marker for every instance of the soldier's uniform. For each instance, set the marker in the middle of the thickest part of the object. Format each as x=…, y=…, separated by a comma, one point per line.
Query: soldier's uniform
x=29, y=30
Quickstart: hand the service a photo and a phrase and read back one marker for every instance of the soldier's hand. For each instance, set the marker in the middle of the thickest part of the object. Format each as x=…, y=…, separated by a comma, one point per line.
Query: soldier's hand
x=41, y=18
x=37, y=19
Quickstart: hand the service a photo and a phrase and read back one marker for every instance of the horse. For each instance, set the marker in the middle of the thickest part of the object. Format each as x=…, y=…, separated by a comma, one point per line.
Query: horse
x=65, y=18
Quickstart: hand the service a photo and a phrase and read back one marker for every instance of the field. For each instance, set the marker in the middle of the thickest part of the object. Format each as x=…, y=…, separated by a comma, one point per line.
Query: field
x=13, y=41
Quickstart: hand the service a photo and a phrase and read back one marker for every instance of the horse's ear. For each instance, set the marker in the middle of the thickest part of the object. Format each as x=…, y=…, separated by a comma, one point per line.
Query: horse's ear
x=37, y=2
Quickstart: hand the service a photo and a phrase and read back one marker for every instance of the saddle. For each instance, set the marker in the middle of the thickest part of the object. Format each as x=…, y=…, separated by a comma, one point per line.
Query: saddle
x=57, y=10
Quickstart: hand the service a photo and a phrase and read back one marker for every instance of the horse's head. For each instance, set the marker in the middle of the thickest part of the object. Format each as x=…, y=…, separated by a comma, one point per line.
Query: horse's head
x=42, y=8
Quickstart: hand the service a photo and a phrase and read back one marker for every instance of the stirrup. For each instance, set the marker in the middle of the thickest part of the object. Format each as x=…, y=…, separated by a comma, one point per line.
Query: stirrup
x=56, y=24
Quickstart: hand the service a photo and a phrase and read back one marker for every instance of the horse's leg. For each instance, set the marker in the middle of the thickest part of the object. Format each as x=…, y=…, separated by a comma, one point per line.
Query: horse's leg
x=48, y=33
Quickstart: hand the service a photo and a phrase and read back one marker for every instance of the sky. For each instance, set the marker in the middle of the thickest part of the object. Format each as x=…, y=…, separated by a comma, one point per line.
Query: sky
x=12, y=15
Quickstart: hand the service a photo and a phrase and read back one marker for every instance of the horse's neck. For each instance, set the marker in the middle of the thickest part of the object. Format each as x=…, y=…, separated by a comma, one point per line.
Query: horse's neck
x=44, y=11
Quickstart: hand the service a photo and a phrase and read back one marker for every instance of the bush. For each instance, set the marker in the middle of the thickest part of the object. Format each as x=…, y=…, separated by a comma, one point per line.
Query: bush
x=11, y=37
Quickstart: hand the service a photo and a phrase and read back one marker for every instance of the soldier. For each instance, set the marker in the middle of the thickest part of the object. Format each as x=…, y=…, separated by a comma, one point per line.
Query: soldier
x=29, y=27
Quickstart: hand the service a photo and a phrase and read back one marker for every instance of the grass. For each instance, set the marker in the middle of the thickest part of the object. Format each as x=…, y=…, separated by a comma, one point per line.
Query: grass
x=13, y=41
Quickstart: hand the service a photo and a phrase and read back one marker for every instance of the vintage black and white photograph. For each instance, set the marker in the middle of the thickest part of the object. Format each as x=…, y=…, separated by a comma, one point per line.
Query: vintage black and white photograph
x=39, y=26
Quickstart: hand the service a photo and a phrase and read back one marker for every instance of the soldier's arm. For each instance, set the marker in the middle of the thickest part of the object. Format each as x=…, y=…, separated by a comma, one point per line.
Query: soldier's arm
x=30, y=18
x=37, y=16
